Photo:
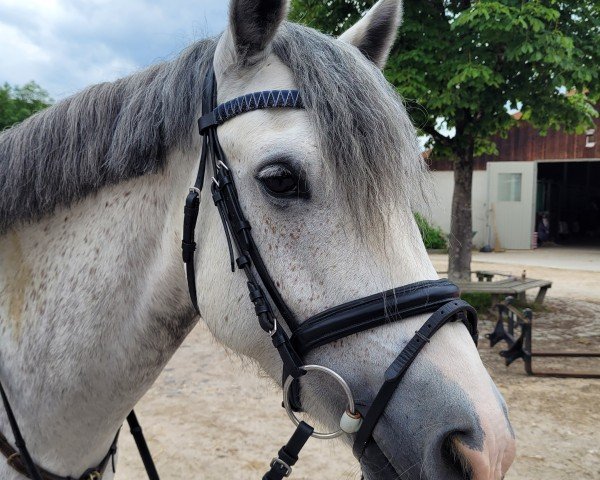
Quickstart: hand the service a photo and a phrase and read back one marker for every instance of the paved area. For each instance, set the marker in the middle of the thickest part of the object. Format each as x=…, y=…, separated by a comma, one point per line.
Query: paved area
x=570, y=258
x=574, y=273
x=203, y=414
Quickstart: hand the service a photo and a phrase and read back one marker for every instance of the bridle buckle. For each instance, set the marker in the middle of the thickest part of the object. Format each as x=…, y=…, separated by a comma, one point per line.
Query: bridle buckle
x=12, y=458
x=279, y=461
x=221, y=164
x=274, y=331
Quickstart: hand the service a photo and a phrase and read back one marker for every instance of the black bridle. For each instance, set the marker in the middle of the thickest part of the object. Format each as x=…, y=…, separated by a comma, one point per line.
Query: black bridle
x=438, y=297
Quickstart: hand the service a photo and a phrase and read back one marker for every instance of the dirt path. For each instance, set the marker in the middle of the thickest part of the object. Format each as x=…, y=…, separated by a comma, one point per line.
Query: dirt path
x=566, y=283
x=210, y=417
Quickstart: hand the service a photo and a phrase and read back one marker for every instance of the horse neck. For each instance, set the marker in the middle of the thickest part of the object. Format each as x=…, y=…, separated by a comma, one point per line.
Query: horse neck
x=94, y=304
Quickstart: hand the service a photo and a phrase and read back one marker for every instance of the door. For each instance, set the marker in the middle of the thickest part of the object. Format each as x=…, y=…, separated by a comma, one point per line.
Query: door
x=511, y=197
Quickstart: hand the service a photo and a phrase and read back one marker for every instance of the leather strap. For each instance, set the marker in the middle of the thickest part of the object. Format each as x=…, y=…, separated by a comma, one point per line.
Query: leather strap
x=18, y=463
x=281, y=466
x=452, y=311
x=241, y=230
x=192, y=201
x=188, y=243
x=20, y=460
x=371, y=312
x=248, y=103
x=367, y=313
x=21, y=457
x=236, y=226
x=136, y=431
x=232, y=216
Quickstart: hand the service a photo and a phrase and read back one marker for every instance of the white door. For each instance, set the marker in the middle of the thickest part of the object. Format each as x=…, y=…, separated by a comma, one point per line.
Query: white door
x=512, y=187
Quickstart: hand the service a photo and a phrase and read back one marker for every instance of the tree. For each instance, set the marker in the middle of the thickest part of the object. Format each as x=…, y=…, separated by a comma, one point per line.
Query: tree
x=461, y=64
x=18, y=103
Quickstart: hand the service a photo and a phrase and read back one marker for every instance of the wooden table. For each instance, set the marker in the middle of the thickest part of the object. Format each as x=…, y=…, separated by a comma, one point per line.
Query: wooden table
x=509, y=285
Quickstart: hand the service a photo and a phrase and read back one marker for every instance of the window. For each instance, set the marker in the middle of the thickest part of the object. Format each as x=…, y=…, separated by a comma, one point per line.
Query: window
x=590, y=140
x=509, y=187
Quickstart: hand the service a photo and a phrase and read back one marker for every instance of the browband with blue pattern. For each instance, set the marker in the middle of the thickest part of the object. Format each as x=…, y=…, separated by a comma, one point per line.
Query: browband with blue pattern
x=249, y=102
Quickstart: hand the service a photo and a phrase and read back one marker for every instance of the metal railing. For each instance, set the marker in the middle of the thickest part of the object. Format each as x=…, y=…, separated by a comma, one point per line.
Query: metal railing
x=521, y=346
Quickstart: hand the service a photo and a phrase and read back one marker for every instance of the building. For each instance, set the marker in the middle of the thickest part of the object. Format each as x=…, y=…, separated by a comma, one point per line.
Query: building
x=555, y=176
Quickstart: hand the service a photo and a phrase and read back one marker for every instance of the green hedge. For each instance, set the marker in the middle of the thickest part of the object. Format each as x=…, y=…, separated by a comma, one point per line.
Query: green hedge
x=433, y=237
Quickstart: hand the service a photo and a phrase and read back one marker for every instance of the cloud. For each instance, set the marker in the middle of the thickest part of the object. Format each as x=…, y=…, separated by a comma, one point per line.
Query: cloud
x=65, y=45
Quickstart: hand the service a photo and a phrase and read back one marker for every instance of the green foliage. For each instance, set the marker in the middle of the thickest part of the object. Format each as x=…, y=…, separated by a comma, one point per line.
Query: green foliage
x=460, y=63
x=463, y=61
x=481, y=302
x=433, y=236
x=18, y=103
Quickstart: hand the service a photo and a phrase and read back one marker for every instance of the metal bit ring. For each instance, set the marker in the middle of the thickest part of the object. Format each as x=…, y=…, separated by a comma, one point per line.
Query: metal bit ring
x=338, y=378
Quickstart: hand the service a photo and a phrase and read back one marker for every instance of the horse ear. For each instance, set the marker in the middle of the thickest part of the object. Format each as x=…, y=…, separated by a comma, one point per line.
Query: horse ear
x=252, y=26
x=374, y=34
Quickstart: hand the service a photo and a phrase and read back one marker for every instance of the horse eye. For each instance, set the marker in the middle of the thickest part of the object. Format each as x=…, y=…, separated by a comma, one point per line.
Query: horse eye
x=282, y=181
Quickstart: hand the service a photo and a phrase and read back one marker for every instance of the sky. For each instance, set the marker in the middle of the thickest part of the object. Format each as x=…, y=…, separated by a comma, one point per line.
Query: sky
x=66, y=45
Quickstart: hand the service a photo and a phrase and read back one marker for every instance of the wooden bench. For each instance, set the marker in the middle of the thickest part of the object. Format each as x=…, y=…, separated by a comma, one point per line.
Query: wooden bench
x=488, y=276
x=509, y=285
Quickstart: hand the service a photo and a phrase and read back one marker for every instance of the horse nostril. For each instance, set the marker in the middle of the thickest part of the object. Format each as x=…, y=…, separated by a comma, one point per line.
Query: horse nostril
x=452, y=457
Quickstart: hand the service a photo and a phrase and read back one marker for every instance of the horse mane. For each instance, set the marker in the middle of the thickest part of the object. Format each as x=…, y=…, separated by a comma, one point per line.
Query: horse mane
x=114, y=131
x=105, y=134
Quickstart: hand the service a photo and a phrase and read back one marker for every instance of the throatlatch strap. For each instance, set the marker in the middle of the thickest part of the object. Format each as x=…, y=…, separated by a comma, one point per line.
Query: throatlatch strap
x=281, y=466
x=24, y=457
x=20, y=460
x=188, y=243
x=454, y=310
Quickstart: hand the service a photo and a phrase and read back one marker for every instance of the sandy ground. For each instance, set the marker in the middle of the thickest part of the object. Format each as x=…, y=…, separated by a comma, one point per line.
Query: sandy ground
x=209, y=416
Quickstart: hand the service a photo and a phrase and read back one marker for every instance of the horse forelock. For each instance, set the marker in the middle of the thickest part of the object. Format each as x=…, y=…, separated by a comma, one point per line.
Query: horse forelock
x=369, y=144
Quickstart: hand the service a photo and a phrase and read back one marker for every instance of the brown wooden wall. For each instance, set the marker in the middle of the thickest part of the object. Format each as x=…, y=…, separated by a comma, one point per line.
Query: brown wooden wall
x=524, y=143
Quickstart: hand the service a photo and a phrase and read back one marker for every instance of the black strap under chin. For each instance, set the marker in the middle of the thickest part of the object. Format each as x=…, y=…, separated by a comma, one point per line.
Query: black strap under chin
x=452, y=311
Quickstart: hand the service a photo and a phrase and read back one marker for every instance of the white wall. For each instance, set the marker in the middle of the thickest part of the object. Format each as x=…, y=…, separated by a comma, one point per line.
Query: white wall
x=441, y=203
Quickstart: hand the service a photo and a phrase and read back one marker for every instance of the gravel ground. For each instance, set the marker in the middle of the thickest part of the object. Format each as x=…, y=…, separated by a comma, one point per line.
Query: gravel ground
x=209, y=416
